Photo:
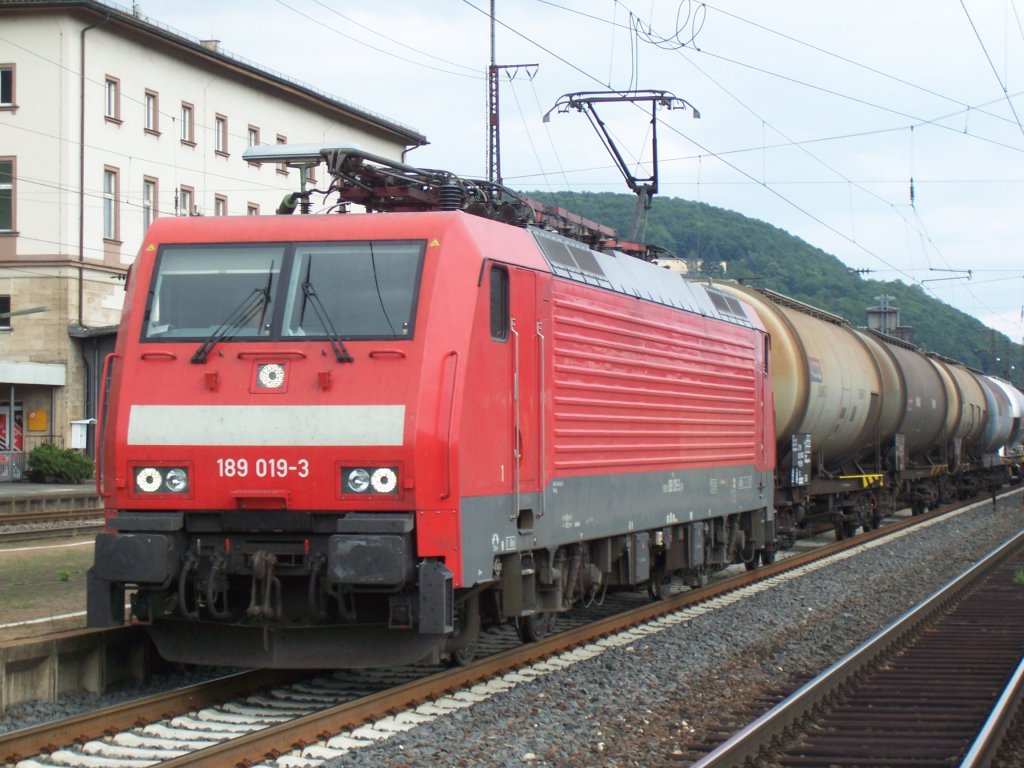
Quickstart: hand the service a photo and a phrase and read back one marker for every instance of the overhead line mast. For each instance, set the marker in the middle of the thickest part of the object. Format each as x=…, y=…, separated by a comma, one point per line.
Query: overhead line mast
x=493, y=116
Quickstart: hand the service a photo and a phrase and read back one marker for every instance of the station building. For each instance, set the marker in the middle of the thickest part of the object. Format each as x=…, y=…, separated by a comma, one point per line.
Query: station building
x=109, y=119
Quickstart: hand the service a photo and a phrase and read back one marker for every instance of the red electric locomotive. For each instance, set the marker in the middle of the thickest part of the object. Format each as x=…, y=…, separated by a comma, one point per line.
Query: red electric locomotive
x=351, y=440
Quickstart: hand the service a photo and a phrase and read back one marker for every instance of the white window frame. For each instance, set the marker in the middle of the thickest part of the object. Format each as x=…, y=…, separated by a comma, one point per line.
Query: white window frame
x=220, y=135
x=112, y=96
x=110, y=190
x=8, y=186
x=7, y=93
x=151, y=104
x=150, y=195
x=186, y=200
x=188, y=123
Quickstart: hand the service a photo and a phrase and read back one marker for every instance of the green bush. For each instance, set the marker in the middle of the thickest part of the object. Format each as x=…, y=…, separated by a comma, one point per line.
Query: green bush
x=50, y=464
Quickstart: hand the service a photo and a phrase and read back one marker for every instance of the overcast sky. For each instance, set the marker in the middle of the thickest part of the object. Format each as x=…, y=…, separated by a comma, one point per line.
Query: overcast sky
x=815, y=115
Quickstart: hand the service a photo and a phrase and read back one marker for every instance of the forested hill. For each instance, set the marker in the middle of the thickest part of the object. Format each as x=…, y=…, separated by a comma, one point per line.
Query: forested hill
x=723, y=243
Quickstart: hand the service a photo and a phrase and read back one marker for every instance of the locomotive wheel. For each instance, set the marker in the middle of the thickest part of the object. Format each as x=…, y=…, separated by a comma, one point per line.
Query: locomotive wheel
x=660, y=586
x=534, y=627
x=464, y=656
x=467, y=632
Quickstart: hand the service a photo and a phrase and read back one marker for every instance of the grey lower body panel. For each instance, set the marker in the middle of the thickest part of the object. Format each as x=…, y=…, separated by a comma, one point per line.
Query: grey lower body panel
x=584, y=508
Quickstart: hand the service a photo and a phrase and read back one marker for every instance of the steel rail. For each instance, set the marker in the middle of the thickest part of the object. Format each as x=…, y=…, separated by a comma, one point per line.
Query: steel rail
x=986, y=746
x=747, y=743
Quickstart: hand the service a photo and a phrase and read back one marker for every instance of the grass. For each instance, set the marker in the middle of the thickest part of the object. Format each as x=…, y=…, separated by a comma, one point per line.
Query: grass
x=39, y=580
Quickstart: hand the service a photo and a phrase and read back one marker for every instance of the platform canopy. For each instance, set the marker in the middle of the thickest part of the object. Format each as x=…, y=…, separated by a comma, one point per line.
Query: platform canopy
x=50, y=374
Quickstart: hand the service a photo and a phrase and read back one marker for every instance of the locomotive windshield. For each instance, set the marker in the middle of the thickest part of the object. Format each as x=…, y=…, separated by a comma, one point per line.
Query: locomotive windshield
x=196, y=288
x=368, y=289
x=365, y=290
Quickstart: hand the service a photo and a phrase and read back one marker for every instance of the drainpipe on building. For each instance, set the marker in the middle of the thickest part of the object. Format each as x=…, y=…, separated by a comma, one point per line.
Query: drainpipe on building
x=81, y=173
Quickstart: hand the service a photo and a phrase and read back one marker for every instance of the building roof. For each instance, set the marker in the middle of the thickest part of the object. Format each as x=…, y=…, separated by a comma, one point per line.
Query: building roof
x=210, y=51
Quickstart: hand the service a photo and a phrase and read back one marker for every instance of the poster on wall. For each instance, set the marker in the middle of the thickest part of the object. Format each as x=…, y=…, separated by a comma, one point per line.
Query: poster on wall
x=6, y=442
x=11, y=440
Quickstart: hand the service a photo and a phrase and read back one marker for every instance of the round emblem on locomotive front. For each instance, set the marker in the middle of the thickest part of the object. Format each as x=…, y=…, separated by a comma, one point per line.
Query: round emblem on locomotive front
x=271, y=375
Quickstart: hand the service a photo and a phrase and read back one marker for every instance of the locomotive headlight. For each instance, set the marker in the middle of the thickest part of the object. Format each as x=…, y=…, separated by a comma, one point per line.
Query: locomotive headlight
x=358, y=480
x=161, y=480
x=382, y=480
x=176, y=480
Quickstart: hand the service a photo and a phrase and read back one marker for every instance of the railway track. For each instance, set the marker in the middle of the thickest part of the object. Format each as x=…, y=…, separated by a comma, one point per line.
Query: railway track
x=937, y=687
x=47, y=524
x=323, y=716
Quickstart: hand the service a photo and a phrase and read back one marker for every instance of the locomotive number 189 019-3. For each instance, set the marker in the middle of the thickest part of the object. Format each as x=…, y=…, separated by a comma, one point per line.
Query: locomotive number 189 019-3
x=227, y=467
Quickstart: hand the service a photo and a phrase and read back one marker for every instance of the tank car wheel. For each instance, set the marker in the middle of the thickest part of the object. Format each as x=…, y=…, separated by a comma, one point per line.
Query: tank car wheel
x=534, y=627
x=660, y=587
x=764, y=556
x=846, y=530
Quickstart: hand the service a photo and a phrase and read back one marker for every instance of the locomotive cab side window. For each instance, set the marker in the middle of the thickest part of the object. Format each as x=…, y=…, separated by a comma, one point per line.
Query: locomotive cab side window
x=499, y=303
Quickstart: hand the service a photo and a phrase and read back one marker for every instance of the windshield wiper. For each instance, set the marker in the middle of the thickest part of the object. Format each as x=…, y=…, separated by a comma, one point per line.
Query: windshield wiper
x=340, y=353
x=254, y=304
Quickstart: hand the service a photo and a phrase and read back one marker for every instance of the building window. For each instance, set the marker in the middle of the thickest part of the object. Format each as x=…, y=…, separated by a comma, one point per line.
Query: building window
x=6, y=85
x=6, y=195
x=252, y=209
x=220, y=205
x=149, y=202
x=185, y=198
x=282, y=167
x=5, y=309
x=113, y=103
x=188, y=124
x=110, y=190
x=152, y=105
x=254, y=139
x=220, y=137
x=310, y=174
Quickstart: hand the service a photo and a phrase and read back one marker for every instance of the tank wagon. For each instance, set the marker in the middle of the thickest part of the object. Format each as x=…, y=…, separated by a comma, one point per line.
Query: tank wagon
x=352, y=440
x=866, y=423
